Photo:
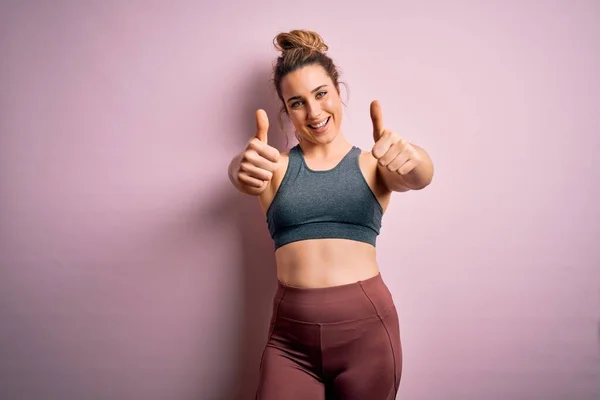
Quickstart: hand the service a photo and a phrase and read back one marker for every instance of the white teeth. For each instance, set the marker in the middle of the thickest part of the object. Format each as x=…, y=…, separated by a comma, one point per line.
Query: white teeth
x=320, y=124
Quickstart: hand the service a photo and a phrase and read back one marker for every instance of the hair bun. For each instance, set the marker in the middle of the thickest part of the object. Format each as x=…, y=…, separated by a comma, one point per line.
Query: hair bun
x=300, y=39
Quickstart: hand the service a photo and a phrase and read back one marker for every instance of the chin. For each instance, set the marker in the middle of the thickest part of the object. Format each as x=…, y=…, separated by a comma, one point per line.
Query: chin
x=325, y=138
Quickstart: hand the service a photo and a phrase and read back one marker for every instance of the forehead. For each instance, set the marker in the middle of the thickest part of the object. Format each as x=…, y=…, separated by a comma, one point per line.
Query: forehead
x=302, y=81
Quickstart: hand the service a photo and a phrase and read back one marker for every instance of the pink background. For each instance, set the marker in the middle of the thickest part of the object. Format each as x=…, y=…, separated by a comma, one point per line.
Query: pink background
x=131, y=269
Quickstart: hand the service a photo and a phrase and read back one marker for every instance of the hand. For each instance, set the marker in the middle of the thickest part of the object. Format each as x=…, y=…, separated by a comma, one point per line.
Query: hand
x=259, y=160
x=391, y=151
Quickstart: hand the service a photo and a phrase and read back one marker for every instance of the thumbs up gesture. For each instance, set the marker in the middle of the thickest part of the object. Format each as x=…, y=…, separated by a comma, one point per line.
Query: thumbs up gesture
x=258, y=161
x=391, y=151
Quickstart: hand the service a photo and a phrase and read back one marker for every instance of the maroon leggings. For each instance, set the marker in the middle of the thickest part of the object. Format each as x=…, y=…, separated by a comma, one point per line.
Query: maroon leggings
x=340, y=342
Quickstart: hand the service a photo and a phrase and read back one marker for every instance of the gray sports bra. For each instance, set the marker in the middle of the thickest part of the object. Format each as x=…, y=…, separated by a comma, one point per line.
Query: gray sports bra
x=337, y=203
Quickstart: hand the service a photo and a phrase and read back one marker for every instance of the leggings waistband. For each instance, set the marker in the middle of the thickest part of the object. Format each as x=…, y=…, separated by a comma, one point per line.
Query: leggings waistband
x=335, y=304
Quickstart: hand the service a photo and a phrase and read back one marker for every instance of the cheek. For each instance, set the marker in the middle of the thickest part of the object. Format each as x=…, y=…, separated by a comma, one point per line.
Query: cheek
x=296, y=117
x=333, y=105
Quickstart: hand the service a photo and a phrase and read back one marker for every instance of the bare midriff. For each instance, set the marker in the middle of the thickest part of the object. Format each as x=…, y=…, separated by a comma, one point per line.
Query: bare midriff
x=320, y=263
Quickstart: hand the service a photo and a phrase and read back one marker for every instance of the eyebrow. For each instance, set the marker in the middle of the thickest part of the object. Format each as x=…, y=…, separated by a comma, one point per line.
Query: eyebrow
x=312, y=91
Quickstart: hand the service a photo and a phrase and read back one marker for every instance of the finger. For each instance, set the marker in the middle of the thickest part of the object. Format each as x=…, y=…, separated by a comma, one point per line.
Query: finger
x=256, y=172
x=402, y=158
x=262, y=125
x=398, y=146
x=383, y=144
x=264, y=150
x=407, y=167
x=394, y=155
x=377, y=119
x=250, y=181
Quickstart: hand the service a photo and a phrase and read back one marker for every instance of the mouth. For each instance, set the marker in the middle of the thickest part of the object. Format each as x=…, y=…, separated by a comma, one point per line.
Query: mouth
x=321, y=126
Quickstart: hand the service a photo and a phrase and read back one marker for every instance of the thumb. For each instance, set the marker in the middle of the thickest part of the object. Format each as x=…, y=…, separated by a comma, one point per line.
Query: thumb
x=262, y=125
x=377, y=118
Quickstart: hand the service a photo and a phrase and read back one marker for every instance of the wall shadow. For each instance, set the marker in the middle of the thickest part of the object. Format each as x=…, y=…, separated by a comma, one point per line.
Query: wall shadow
x=257, y=269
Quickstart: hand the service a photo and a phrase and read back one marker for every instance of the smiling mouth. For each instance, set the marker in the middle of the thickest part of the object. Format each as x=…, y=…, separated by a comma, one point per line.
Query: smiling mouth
x=320, y=124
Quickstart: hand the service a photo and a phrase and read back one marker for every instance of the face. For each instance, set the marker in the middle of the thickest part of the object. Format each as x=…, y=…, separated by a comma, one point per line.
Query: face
x=313, y=104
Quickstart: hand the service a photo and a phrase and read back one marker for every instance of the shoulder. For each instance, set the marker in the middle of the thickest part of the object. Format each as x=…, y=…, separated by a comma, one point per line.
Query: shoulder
x=367, y=159
x=282, y=163
x=368, y=163
x=273, y=186
x=369, y=168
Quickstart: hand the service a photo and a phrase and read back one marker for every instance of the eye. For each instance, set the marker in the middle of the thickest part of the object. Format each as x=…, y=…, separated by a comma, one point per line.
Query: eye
x=296, y=104
x=321, y=94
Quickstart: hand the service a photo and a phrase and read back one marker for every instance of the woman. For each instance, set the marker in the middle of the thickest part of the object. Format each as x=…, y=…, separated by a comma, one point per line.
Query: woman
x=334, y=331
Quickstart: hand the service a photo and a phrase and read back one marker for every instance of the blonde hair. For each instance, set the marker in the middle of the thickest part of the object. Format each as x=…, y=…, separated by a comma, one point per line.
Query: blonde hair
x=300, y=40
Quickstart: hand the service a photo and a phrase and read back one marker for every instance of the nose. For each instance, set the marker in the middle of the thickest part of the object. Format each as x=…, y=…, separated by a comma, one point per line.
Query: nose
x=314, y=109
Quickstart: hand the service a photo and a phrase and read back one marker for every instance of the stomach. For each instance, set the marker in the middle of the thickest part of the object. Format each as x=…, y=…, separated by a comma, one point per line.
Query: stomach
x=319, y=263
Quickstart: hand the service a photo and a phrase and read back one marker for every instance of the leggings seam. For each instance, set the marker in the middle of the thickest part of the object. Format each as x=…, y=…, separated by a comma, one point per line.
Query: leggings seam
x=321, y=351
x=276, y=316
x=387, y=332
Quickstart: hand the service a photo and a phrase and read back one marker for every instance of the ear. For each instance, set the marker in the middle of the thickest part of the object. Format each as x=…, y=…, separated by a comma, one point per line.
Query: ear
x=338, y=88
